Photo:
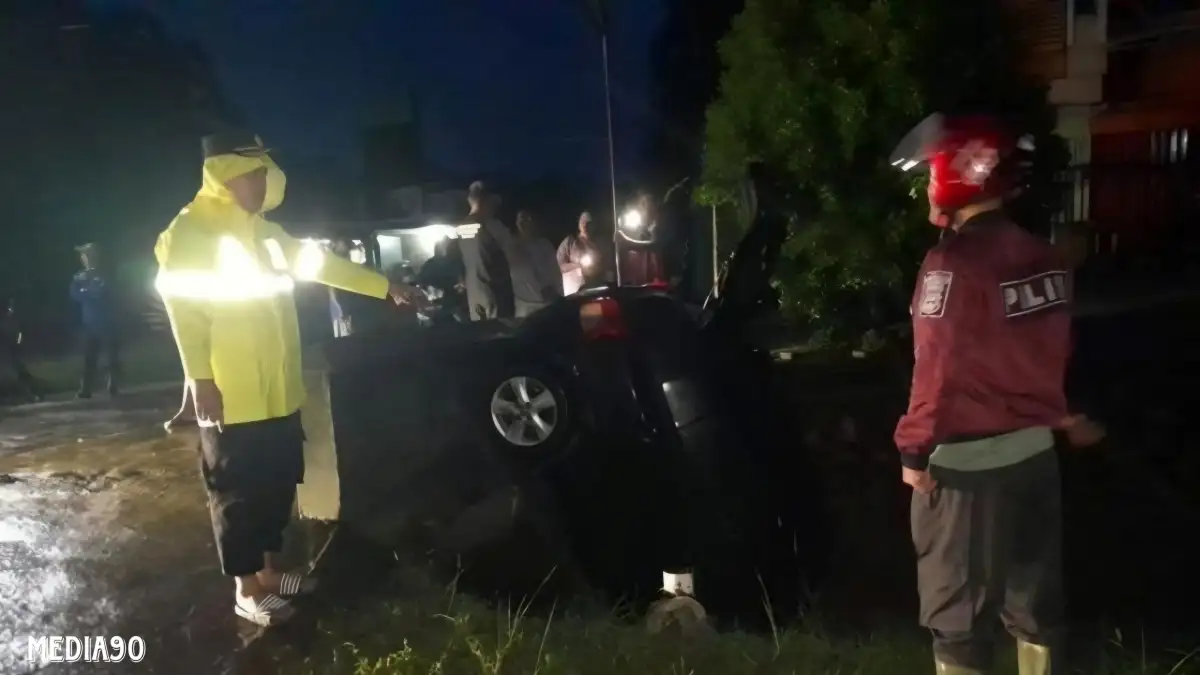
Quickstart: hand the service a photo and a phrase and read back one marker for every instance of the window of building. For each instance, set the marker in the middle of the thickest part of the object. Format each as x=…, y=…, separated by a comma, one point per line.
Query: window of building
x=1169, y=147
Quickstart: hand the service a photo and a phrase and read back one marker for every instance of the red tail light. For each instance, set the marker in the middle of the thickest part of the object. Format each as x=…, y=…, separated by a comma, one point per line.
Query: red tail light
x=601, y=320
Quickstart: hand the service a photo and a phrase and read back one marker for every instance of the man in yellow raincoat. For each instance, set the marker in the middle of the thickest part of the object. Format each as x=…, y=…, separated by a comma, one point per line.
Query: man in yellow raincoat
x=226, y=276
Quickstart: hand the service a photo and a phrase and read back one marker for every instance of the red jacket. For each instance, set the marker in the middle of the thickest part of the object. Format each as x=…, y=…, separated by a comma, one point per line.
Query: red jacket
x=991, y=326
x=641, y=266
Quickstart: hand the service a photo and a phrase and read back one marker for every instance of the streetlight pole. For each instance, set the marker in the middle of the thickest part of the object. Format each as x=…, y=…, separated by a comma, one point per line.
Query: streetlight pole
x=612, y=163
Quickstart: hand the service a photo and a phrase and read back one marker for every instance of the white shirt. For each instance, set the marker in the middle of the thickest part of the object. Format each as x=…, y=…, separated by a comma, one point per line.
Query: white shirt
x=572, y=253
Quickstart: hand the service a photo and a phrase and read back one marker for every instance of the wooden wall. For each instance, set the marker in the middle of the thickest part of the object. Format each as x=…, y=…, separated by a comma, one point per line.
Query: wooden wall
x=1041, y=27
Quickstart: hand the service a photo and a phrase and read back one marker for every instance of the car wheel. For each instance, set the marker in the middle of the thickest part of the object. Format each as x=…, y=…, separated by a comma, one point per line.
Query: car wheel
x=529, y=410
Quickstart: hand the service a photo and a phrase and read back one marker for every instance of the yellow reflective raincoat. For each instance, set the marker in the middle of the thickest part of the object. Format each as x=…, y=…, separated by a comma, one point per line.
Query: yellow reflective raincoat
x=226, y=278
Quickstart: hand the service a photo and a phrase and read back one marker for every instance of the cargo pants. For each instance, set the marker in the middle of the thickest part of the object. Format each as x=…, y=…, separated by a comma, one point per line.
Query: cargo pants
x=250, y=471
x=989, y=545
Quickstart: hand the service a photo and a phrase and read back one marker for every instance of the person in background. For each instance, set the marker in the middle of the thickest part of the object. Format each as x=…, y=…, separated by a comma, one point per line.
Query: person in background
x=484, y=243
x=537, y=279
x=578, y=256
x=90, y=290
x=11, y=333
x=442, y=272
x=343, y=305
x=227, y=278
x=640, y=244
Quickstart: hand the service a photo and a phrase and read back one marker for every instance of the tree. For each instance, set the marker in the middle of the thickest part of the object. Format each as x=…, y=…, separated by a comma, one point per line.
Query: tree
x=820, y=91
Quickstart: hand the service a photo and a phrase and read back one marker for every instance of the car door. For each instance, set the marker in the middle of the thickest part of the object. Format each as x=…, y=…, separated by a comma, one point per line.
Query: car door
x=399, y=408
x=744, y=289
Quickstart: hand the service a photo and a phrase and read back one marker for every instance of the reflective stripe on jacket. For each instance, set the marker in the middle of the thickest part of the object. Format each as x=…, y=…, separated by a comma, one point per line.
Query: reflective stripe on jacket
x=226, y=278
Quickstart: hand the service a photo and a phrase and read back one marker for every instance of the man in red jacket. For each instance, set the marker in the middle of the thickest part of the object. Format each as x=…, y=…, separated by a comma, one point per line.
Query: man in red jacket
x=640, y=244
x=991, y=326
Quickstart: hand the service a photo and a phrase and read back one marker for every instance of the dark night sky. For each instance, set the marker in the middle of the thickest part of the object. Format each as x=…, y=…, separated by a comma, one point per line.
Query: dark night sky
x=502, y=85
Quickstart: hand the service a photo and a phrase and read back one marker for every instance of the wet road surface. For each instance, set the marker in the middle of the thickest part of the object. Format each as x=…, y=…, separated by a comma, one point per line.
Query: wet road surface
x=104, y=531
x=39, y=426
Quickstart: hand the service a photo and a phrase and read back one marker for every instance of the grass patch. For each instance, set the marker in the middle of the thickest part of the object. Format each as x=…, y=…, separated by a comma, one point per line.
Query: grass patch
x=146, y=361
x=441, y=631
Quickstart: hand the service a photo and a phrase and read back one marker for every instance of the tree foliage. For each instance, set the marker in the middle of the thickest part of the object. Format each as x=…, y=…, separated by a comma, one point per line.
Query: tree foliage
x=821, y=91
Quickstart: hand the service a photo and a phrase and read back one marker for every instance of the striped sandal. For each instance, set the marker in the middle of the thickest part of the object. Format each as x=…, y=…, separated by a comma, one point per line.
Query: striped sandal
x=272, y=610
x=292, y=585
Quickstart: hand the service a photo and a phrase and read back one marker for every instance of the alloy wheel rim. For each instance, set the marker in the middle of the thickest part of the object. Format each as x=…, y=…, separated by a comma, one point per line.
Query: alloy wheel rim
x=524, y=411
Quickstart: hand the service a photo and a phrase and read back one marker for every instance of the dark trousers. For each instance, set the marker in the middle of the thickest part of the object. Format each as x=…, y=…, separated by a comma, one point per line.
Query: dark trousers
x=93, y=344
x=16, y=362
x=989, y=545
x=251, y=471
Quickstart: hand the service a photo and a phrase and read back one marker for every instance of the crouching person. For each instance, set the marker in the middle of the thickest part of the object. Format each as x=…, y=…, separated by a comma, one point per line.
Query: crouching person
x=226, y=276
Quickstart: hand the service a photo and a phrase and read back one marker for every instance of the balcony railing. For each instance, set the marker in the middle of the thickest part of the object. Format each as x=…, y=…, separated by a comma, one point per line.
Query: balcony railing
x=1133, y=210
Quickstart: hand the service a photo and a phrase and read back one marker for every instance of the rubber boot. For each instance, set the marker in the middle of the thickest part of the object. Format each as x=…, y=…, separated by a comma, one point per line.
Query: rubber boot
x=947, y=669
x=1032, y=659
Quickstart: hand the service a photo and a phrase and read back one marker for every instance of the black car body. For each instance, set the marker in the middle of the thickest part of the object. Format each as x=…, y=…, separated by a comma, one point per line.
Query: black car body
x=649, y=423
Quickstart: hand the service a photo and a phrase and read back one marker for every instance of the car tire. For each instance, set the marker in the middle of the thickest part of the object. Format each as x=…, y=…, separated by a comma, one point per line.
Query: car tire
x=528, y=412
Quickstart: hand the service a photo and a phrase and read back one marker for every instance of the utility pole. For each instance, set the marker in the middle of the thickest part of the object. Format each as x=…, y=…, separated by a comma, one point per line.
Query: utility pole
x=599, y=12
x=612, y=161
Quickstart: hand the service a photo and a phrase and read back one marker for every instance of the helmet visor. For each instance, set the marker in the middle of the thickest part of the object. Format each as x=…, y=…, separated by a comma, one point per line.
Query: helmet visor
x=912, y=153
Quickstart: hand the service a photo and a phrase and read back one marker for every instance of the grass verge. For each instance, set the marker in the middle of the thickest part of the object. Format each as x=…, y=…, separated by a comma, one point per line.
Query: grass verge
x=441, y=631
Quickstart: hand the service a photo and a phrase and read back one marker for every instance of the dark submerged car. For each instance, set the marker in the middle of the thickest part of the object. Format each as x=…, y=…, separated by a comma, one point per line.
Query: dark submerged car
x=643, y=429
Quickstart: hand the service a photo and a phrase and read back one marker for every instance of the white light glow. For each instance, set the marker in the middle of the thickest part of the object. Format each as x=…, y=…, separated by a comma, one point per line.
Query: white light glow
x=431, y=235
x=586, y=260
x=309, y=261
x=632, y=220
x=909, y=164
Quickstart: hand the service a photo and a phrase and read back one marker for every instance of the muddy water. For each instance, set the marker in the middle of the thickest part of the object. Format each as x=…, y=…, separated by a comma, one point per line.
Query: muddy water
x=104, y=531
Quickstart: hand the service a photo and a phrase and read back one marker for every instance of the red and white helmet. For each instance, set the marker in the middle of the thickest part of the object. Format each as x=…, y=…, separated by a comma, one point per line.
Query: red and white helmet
x=970, y=160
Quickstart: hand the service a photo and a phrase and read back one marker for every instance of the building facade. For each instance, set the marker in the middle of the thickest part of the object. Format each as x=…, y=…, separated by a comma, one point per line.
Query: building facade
x=1122, y=75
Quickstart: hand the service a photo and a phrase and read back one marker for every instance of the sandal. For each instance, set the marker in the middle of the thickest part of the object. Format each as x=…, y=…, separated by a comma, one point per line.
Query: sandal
x=272, y=610
x=292, y=585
